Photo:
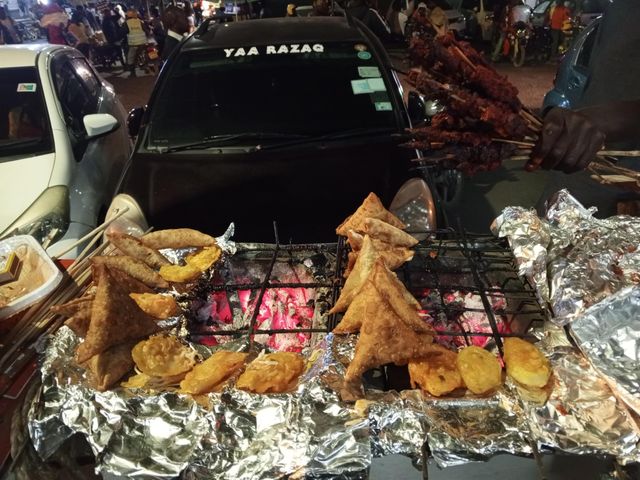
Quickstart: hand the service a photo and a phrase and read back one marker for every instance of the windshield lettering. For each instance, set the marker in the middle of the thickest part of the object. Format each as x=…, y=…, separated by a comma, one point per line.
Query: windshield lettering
x=274, y=50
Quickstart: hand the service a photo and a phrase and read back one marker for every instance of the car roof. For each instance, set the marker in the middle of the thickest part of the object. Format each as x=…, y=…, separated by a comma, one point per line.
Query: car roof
x=273, y=30
x=24, y=55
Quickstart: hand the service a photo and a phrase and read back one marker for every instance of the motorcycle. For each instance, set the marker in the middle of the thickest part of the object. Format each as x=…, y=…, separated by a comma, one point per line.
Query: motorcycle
x=148, y=58
x=28, y=31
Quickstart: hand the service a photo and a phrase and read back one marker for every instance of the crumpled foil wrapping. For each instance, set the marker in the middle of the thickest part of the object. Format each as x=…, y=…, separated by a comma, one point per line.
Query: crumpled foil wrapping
x=582, y=415
x=609, y=336
x=574, y=259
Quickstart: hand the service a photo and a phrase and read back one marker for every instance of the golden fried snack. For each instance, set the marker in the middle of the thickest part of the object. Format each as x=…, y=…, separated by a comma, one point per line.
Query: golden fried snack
x=134, y=267
x=106, y=368
x=380, y=230
x=351, y=261
x=205, y=258
x=385, y=338
x=437, y=373
x=371, y=207
x=525, y=363
x=163, y=356
x=179, y=273
x=139, y=380
x=132, y=246
x=177, y=238
x=272, y=373
x=155, y=304
x=79, y=311
x=382, y=283
x=115, y=317
x=480, y=369
x=213, y=372
x=535, y=394
x=394, y=257
x=352, y=319
x=361, y=269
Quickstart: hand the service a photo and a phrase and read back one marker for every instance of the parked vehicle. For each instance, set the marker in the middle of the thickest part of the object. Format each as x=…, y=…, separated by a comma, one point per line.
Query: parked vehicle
x=289, y=119
x=572, y=74
x=518, y=39
x=60, y=151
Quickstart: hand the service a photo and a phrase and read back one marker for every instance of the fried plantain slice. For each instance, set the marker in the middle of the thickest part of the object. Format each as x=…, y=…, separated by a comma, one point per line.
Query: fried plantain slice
x=480, y=369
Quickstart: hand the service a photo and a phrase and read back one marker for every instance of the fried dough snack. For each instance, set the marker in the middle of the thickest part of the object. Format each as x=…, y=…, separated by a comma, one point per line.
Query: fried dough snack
x=272, y=373
x=196, y=264
x=177, y=238
x=106, y=368
x=156, y=305
x=132, y=246
x=380, y=230
x=163, y=356
x=386, y=338
x=371, y=207
x=134, y=267
x=480, y=369
x=213, y=372
x=382, y=283
x=115, y=317
x=537, y=395
x=525, y=363
x=79, y=311
x=437, y=373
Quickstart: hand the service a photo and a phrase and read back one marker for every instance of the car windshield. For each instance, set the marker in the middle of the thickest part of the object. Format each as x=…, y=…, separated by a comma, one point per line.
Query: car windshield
x=265, y=93
x=24, y=125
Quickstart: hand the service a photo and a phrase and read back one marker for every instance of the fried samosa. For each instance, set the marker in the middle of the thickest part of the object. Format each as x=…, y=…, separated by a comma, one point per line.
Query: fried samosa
x=386, y=338
x=115, y=317
x=371, y=207
x=134, y=267
x=132, y=246
x=177, y=238
x=385, y=232
x=106, y=368
x=79, y=311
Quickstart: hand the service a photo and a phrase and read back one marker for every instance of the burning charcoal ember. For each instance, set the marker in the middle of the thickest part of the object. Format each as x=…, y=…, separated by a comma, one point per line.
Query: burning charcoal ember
x=459, y=312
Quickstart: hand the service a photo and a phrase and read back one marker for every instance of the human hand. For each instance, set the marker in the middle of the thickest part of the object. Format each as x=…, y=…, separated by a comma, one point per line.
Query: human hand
x=569, y=141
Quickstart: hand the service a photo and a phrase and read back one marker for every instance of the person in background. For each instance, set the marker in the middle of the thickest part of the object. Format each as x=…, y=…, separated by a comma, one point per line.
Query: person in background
x=197, y=11
x=320, y=8
x=157, y=29
x=291, y=10
x=175, y=22
x=55, y=21
x=113, y=33
x=7, y=25
x=22, y=5
x=136, y=39
x=81, y=33
x=558, y=15
x=363, y=11
x=191, y=18
x=438, y=19
x=396, y=20
x=120, y=14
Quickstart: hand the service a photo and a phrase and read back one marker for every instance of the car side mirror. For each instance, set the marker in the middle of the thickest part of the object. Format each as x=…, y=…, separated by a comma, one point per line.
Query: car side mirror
x=415, y=107
x=134, y=121
x=99, y=124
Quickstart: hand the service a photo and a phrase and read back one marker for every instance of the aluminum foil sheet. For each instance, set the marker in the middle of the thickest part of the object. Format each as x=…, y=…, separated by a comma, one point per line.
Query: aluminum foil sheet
x=582, y=415
x=609, y=336
x=574, y=259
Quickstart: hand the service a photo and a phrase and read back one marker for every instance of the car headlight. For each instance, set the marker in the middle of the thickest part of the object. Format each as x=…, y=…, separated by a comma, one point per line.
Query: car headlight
x=47, y=219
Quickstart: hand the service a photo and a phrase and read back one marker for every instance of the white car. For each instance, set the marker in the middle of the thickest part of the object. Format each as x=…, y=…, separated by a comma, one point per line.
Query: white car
x=63, y=145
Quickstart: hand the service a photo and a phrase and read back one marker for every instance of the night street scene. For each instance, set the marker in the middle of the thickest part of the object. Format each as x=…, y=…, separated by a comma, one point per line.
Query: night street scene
x=319, y=239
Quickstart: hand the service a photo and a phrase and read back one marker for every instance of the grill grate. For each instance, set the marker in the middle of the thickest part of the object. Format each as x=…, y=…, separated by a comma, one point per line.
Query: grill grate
x=446, y=263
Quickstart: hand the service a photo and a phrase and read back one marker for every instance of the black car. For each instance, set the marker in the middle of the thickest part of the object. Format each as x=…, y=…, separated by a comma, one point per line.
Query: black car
x=293, y=120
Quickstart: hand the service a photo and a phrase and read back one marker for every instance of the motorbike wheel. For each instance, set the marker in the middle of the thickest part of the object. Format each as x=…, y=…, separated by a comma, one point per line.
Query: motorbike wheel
x=518, y=55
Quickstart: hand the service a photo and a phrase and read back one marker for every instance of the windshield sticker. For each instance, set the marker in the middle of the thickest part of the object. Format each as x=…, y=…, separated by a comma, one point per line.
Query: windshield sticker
x=360, y=47
x=383, y=106
x=364, y=55
x=291, y=48
x=369, y=72
x=27, y=87
x=360, y=86
x=376, y=84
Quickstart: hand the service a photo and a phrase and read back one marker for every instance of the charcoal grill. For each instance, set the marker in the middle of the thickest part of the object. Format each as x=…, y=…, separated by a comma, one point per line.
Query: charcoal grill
x=447, y=261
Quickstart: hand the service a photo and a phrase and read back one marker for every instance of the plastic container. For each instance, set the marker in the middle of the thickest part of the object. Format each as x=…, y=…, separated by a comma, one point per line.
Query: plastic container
x=36, y=268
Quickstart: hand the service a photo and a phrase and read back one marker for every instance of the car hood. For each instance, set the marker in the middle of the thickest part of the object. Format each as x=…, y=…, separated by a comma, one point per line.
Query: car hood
x=21, y=182
x=308, y=191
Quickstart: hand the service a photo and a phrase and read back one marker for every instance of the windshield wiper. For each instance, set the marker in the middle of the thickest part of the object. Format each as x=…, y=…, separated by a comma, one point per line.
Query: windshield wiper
x=337, y=135
x=221, y=139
